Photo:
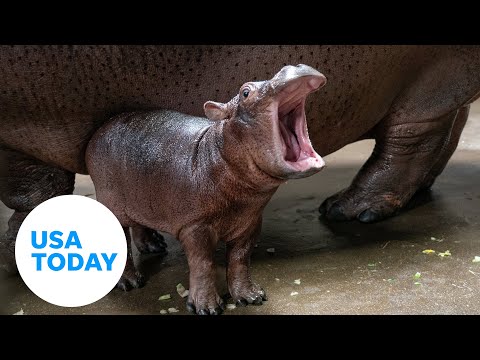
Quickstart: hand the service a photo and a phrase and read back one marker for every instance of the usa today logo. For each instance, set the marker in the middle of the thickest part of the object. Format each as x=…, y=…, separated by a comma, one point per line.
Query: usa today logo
x=71, y=251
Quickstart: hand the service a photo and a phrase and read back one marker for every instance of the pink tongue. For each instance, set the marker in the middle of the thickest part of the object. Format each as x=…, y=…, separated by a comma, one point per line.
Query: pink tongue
x=293, y=148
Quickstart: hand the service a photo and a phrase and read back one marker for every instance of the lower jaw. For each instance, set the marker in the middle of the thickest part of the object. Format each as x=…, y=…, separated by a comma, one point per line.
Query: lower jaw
x=303, y=174
x=300, y=159
x=306, y=162
x=304, y=168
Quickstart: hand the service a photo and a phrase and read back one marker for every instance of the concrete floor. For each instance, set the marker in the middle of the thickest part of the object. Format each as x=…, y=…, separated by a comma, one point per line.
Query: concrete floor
x=346, y=268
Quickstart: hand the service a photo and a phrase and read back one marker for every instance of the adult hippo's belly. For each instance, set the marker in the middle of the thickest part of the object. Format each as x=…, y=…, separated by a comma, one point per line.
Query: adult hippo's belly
x=54, y=97
x=412, y=99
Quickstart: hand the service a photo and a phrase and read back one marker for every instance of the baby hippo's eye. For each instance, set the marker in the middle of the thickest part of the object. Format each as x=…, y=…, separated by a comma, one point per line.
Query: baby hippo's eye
x=245, y=93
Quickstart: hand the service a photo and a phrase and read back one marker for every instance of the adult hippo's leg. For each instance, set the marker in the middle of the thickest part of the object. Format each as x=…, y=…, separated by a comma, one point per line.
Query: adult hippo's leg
x=25, y=183
x=447, y=153
x=414, y=141
x=408, y=155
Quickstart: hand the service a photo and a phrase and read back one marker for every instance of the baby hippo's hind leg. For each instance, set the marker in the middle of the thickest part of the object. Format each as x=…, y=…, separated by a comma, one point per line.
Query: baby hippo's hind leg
x=131, y=278
x=148, y=241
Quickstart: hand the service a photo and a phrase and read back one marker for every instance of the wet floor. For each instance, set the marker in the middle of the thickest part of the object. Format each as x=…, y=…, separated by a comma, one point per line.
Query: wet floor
x=320, y=268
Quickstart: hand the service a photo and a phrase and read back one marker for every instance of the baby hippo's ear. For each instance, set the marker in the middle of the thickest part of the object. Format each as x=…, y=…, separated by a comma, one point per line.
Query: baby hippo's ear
x=215, y=110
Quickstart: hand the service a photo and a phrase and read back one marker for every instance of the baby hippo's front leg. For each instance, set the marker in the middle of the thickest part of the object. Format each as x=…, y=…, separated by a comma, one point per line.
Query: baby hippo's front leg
x=199, y=244
x=240, y=285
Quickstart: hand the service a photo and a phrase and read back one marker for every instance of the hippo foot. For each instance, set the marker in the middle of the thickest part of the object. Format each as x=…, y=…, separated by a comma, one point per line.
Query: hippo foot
x=253, y=295
x=7, y=258
x=154, y=244
x=131, y=280
x=214, y=305
x=364, y=206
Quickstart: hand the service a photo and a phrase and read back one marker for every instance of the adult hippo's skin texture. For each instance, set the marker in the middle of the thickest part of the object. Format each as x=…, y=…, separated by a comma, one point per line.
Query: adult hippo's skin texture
x=413, y=100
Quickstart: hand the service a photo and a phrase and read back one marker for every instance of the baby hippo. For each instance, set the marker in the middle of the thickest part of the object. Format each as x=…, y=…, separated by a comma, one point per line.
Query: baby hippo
x=207, y=179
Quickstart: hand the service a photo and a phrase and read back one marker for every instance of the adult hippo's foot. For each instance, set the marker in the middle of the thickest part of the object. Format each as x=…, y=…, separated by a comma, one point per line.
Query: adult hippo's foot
x=363, y=205
x=148, y=241
x=407, y=158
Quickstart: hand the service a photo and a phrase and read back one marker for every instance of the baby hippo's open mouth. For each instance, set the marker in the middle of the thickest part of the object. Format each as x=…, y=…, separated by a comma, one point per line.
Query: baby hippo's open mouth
x=298, y=152
x=292, y=128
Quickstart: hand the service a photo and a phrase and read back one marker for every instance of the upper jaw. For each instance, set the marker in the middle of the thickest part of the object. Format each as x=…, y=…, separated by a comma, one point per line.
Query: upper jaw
x=290, y=74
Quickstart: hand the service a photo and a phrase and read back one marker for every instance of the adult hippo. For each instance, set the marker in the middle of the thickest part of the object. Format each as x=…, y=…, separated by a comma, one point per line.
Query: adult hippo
x=413, y=100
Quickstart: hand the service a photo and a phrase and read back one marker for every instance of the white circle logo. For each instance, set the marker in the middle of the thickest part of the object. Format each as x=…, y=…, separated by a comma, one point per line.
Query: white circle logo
x=71, y=250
